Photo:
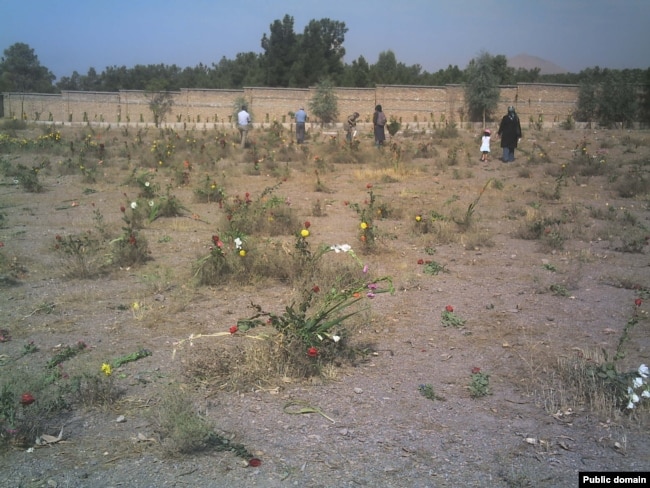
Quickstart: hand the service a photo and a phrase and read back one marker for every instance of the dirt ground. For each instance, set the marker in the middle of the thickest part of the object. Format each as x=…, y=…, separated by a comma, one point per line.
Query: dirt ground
x=374, y=427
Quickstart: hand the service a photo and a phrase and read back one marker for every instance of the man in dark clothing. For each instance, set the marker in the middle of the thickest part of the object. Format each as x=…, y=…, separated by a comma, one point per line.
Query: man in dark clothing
x=510, y=133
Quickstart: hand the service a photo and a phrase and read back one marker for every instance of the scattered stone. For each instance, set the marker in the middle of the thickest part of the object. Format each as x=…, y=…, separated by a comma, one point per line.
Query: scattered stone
x=121, y=419
x=358, y=391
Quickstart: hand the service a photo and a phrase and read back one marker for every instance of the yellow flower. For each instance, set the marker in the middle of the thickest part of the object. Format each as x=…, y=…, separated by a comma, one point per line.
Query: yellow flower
x=304, y=233
x=213, y=186
x=106, y=369
x=364, y=226
x=418, y=218
x=135, y=306
x=242, y=252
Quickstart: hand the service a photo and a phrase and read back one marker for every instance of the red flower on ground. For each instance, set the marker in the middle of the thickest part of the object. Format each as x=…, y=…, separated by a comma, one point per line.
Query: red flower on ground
x=307, y=224
x=233, y=329
x=449, y=308
x=27, y=399
x=312, y=352
x=369, y=185
x=476, y=370
x=254, y=462
x=132, y=240
x=315, y=289
x=420, y=261
x=638, y=302
x=122, y=208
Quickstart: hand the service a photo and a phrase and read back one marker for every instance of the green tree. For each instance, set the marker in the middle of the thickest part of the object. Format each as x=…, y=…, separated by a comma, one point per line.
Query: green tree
x=357, y=74
x=324, y=103
x=319, y=53
x=617, y=103
x=160, y=100
x=482, y=88
x=21, y=71
x=280, y=50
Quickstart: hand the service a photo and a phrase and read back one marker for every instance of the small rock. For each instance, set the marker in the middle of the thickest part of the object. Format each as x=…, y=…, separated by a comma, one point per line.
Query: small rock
x=358, y=391
x=121, y=419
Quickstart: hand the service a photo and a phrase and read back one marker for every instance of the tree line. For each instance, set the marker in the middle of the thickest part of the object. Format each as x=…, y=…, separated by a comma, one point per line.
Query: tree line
x=300, y=60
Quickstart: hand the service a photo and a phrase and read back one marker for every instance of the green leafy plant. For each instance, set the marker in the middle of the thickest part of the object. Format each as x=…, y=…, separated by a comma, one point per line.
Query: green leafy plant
x=427, y=391
x=450, y=319
x=479, y=385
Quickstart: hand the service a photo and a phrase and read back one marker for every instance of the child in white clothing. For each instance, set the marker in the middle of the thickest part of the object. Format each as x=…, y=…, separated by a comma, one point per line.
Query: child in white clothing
x=485, y=145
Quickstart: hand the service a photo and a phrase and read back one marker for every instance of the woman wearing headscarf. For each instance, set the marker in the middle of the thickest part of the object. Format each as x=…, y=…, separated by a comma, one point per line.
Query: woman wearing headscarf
x=510, y=133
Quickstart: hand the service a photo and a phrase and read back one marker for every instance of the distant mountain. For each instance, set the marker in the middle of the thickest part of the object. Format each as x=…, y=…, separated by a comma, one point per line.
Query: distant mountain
x=527, y=61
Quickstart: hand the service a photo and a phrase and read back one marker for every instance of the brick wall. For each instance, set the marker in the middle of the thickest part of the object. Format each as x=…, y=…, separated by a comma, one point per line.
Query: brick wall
x=417, y=106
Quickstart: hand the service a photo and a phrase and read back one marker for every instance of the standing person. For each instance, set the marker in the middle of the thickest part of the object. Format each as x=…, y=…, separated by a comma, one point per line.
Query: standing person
x=379, y=121
x=243, y=124
x=485, y=145
x=301, y=118
x=350, y=125
x=510, y=133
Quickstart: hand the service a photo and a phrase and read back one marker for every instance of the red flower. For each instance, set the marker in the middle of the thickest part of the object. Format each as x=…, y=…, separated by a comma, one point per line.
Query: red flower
x=233, y=329
x=122, y=208
x=58, y=237
x=420, y=261
x=449, y=308
x=476, y=370
x=369, y=185
x=307, y=224
x=315, y=289
x=27, y=399
x=312, y=352
x=638, y=302
x=254, y=462
x=132, y=240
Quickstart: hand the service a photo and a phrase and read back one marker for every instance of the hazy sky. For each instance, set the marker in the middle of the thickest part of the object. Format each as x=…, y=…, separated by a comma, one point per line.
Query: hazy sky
x=74, y=35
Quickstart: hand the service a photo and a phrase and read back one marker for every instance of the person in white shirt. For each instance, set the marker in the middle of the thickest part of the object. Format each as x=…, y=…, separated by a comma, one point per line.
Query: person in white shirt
x=243, y=124
x=485, y=145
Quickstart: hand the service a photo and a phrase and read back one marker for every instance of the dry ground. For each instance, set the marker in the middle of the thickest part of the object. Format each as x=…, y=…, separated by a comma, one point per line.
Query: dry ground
x=376, y=428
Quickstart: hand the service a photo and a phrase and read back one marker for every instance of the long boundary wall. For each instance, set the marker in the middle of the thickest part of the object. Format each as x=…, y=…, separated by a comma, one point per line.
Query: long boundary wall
x=417, y=106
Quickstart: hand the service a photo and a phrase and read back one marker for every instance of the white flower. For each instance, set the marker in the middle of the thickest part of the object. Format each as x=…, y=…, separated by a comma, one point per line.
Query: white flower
x=238, y=242
x=341, y=248
x=336, y=338
x=630, y=405
x=644, y=371
x=134, y=205
x=151, y=203
x=646, y=394
x=638, y=382
x=146, y=183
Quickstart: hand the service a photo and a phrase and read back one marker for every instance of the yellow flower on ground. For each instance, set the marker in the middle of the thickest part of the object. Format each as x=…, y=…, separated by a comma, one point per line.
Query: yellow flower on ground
x=135, y=306
x=242, y=252
x=106, y=369
x=304, y=233
x=418, y=218
x=364, y=226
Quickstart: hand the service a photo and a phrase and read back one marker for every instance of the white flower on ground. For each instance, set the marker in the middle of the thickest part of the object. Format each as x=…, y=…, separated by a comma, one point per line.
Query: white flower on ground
x=637, y=383
x=146, y=183
x=630, y=405
x=238, y=242
x=336, y=338
x=151, y=204
x=644, y=371
x=134, y=205
x=341, y=248
x=646, y=394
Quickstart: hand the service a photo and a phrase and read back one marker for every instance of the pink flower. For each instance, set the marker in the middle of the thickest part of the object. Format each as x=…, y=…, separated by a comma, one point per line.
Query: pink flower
x=476, y=370
x=370, y=294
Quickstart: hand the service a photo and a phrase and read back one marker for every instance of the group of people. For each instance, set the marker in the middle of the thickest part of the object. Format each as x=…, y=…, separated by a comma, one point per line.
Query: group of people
x=510, y=134
x=509, y=130
x=379, y=121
